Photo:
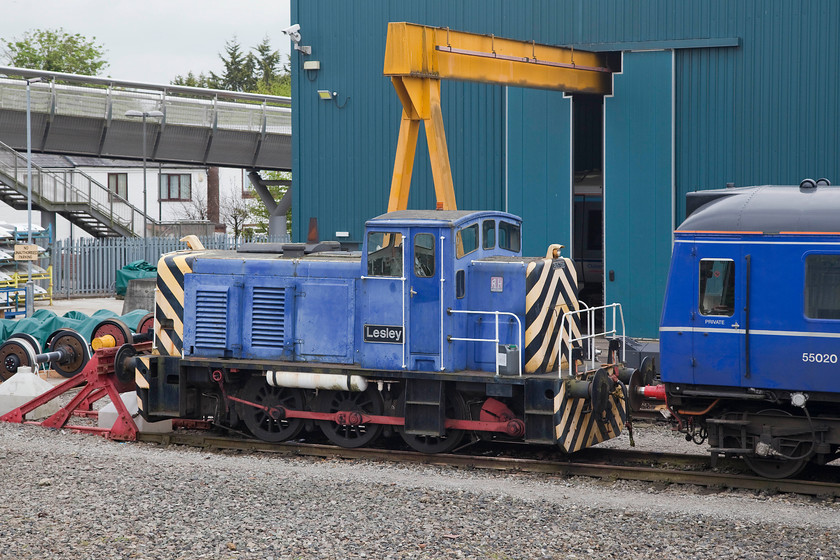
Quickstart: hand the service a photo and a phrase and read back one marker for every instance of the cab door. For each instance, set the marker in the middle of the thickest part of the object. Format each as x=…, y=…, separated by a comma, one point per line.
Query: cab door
x=718, y=316
x=424, y=310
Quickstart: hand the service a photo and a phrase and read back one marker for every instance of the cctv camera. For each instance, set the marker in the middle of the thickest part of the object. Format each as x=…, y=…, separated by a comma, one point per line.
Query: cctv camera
x=293, y=31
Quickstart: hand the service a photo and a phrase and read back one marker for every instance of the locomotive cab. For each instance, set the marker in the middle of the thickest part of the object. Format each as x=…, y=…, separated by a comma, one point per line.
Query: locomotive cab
x=414, y=284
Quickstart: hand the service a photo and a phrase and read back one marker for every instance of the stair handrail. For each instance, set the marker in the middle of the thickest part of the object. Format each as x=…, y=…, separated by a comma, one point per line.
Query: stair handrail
x=76, y=195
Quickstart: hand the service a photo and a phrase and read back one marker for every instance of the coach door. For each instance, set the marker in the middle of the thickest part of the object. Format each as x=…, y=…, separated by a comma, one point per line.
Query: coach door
x=718, y=316
x=424, y=300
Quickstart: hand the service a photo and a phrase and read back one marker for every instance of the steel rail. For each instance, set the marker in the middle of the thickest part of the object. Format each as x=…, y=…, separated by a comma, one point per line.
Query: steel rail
x=572, y=467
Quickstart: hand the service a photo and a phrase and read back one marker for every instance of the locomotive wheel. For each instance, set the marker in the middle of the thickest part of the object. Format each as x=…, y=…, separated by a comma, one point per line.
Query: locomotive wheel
x=78, y=352
x=368, y=401
x=33, y=342
x=777, y=467
x=455, y=409
x=14, y=353
x=116, y=328
x=260, y=422
x=123, y=367
x=146, y=324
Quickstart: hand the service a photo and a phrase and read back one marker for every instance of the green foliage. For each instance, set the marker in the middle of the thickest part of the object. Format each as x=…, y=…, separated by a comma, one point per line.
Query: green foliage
x=258, y=71
x=191, y=80
x=56, y=51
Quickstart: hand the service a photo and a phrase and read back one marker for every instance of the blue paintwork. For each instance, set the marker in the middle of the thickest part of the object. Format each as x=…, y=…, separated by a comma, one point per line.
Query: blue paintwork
x=316, y=309
x=701, y=350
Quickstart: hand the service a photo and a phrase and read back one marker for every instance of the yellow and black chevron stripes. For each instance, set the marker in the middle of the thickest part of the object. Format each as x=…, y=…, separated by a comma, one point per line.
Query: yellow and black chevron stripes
x=550, y=291
x=169, y=301
x=577, y=429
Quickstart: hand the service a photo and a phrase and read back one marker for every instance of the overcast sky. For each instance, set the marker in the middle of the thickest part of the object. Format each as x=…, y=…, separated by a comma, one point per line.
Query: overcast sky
x=154, y=40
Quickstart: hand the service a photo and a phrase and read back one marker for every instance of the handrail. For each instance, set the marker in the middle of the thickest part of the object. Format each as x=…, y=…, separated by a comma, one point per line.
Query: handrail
x=494, y=340
x=64, y=191
x=589, y=313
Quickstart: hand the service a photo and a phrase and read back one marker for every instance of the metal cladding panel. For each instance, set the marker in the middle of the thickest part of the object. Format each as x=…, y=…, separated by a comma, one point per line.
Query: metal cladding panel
x=637, y=189
x=761, y=112
x=539, y=173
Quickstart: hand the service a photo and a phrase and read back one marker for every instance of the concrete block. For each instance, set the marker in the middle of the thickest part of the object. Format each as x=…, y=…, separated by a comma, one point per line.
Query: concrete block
x=140, y=294
x=108, y=415
x=21, y=388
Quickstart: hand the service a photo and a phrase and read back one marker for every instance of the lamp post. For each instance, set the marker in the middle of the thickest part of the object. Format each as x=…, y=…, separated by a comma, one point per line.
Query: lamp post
x=144, y=114
x=29, y=287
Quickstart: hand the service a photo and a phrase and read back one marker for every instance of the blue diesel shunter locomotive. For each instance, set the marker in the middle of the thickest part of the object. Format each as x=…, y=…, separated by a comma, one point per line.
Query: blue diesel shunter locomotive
x=436, y=329
x=750, y=331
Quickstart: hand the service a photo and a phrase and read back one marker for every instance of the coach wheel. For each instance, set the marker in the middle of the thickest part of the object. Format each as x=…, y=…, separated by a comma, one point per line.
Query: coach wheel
x=116, y=328
x=269, y=425
x=146, y=324
x=456, y=409
x=76, y=350
x=351, y=433
x=781, y=467
x=33, y=342
x=14, y=354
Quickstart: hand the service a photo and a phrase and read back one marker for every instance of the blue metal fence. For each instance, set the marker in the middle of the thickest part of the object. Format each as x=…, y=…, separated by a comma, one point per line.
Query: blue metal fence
x=88, y=267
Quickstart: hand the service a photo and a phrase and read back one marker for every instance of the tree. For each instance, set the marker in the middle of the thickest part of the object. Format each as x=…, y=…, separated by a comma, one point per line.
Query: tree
x=239, y=72
x=56, y=51
x=235, y=213
x=191, y=80
x=259, y=71
x=195, y=209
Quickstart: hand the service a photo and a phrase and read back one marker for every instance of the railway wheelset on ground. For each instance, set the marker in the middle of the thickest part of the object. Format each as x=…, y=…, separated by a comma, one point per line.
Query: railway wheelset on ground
x=67, y=351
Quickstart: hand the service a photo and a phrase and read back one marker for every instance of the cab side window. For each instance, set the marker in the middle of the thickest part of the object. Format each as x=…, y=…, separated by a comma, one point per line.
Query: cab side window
x=385, y=254
x=488, y=234
x=466, y=240
x=822, y=278
x=717, y=287
x=424, y=255
x=509, y=237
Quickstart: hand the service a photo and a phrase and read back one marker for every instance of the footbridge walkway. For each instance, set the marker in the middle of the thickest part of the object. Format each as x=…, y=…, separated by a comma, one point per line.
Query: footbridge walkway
x=84, y=115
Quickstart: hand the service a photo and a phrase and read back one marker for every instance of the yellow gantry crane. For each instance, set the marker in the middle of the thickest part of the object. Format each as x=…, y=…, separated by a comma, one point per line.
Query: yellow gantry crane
x=418, y=57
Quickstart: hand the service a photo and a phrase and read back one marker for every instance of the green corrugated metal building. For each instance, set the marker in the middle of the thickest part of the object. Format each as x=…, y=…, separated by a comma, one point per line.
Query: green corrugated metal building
x=706, y=93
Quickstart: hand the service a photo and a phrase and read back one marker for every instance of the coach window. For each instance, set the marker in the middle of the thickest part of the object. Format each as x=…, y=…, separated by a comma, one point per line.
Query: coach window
x=424, y=255
x=822, y=277
x=717, y=287
x=385, y=254
x=488, y=234
x=466, y=240
x=509, y=236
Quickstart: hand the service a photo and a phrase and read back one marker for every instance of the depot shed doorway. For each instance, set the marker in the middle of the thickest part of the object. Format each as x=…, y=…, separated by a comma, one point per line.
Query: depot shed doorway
x=602, y=185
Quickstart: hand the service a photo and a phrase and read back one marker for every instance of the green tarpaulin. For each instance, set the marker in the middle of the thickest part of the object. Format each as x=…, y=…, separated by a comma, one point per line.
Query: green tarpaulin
x=136, y=269
x=44, y=322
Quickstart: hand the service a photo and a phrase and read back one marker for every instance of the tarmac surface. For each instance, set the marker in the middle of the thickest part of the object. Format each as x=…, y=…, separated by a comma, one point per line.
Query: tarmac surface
x=88, y=306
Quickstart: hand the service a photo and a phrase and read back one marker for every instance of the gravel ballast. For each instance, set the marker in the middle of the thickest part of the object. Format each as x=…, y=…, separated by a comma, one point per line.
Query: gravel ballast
x=78, y=496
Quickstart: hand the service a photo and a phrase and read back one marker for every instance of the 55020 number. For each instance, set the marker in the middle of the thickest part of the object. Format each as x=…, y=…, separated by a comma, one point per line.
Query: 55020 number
x=817, y=358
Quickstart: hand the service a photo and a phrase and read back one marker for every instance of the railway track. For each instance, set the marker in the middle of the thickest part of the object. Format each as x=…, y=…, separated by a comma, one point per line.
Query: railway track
x=607, y=464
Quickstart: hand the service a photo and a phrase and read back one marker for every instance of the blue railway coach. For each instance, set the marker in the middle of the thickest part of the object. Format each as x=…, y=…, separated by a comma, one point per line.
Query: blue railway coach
x=436, y=329
x=750, y=331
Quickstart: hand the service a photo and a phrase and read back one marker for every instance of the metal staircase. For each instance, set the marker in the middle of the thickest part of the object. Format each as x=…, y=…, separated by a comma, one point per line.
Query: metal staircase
x=72, y=194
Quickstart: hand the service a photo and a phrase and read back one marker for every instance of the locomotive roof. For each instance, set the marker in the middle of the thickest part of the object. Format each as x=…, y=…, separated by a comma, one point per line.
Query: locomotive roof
x=765, y=209
x=441, y=217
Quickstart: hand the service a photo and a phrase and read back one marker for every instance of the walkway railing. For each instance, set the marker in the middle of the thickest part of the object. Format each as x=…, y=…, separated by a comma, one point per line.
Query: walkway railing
x=72, y=191
x=588, y=313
